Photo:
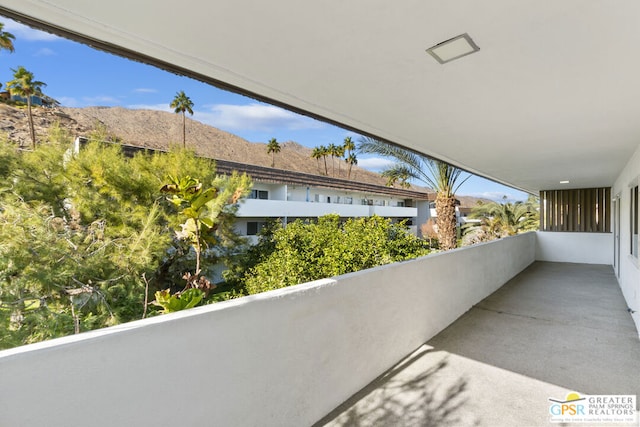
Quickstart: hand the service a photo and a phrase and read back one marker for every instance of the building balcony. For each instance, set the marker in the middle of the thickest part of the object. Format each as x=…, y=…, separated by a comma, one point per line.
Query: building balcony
x=393, y=211
x=321, y=352
x=279, y=208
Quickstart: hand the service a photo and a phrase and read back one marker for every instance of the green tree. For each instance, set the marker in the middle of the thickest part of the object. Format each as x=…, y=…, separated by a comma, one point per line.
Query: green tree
x=350, y=158
x=305, y=251
x=204, y=210
x=339, y=153
x=324, y=151
x=499, y=220
x=317, y=154
x=6, y=39
x=85, y=237
x=25, y=86
x=443, y=178
x=273, y=147
x=182, y=104
x=332, y=150
x=351, y=161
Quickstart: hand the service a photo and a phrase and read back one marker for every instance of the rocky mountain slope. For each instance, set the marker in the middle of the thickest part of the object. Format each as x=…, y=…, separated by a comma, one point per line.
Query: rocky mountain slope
x=160, y=130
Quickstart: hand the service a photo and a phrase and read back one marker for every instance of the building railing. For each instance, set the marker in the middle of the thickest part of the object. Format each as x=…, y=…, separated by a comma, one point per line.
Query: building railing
x=282, y=358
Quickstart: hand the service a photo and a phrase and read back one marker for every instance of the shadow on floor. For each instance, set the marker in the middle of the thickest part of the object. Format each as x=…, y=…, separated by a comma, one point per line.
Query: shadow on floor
x=554, y=329
x=410, y=394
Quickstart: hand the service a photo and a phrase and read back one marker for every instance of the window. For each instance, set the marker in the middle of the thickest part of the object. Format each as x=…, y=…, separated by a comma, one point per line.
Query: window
x=400, y=204
x=633, y=226
x=348, y=200
x=259, y=194
x=254, y=228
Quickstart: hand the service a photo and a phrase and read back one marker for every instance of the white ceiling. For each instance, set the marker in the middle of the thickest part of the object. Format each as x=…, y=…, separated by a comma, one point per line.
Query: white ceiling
x=553, y=94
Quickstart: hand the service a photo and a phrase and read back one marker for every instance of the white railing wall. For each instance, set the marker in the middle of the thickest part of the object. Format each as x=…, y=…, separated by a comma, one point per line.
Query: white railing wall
x=282, y=358
x=582, y=248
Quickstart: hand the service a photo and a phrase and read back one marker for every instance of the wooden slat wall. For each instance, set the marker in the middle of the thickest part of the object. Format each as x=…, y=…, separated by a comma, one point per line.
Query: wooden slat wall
x=579, y=210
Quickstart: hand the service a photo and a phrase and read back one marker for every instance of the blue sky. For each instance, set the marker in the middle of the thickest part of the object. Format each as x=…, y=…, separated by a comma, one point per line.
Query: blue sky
x=79, y=76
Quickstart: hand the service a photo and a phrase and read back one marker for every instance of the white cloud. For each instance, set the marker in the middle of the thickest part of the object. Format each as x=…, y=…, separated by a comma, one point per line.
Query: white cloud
x=493, y=195
x=145, y=90
x=45, y=51
x=23, y=32
x=256, y=117
x=158, y=107
x=68, y=102
x=375, y=163
x=100, y=100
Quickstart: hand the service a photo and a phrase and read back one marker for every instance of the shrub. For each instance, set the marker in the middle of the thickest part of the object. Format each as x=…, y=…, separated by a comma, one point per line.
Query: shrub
x=305, y=251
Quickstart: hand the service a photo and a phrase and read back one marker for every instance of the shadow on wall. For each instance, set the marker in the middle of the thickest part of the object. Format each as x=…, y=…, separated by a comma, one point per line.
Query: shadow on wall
x=426, y=399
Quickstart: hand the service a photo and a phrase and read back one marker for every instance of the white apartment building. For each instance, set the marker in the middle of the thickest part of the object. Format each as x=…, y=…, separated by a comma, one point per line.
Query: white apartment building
x=288, y=195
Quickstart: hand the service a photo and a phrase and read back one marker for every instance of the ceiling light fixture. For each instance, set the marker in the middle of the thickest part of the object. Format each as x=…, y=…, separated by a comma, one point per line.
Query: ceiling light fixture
x=564, y=182
x=454, y=48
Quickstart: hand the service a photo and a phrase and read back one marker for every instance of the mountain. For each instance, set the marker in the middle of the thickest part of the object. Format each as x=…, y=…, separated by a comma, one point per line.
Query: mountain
x=160, y=130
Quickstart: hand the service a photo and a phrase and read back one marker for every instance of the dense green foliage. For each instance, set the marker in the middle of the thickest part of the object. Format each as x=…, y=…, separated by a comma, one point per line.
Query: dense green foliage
x=306, y=251
x=499, y=220
x=85, y=237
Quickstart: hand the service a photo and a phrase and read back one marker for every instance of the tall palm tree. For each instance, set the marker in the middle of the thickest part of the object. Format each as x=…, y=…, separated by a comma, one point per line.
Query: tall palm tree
x=324, y=150
x=351, y=160
x=182, y=104
x=339, y=153
x=272, y=148
x=316, y=154
x=349, y=146
x=443, y=178
x=23, y=85
x=332, y=151
x=6, y=39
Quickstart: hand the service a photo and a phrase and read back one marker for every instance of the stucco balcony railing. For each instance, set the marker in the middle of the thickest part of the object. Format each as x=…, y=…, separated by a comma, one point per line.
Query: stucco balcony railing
x=282, y=358
x=280, y=208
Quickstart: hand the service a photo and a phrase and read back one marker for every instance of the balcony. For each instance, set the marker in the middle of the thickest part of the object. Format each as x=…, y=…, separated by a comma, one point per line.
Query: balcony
x=555, y=328
x=280, y=208
x=292, y=356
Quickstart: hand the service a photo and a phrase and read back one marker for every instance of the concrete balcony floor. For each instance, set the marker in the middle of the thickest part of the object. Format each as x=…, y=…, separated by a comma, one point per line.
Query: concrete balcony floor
x=553, y=329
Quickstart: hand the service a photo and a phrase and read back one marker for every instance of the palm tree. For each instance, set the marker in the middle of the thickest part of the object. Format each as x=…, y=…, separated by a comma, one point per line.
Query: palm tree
x=443, y=178
x=339, y=153
x=351, y=160
x=324, y=152
x=6, y=39
x=23, y=85
x=182, y=104
x=272, y=148
x=331, y=150
x=316, y=154
x=499, y=220
x=348, y=147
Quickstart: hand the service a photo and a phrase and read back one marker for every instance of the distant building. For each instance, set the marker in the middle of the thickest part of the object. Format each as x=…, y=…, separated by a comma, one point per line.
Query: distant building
x=42, y=101
x=288, y=195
